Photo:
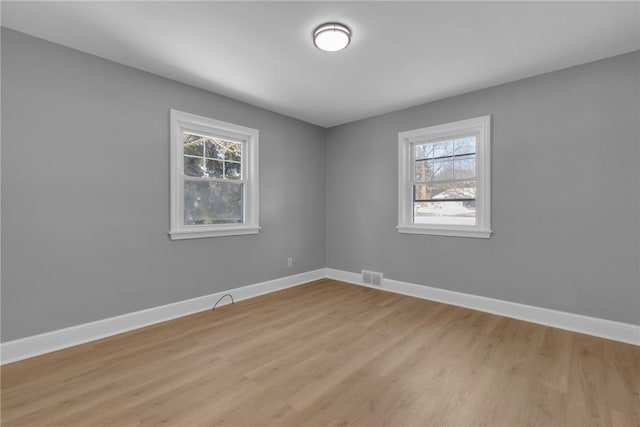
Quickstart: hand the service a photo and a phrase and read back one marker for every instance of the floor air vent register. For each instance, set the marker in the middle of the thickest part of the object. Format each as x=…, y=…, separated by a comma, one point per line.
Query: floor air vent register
x=372, y=278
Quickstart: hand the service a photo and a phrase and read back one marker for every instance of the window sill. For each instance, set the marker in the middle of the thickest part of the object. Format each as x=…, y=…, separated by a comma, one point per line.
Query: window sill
x=454, y=232
x=220, y=232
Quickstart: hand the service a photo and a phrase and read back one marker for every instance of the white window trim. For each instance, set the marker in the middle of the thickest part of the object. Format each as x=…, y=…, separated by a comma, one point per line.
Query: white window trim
x=481, y=126
x=181, y=121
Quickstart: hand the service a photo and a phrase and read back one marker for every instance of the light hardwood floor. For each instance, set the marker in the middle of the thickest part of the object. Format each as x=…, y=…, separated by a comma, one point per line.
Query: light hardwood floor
x=328, y=353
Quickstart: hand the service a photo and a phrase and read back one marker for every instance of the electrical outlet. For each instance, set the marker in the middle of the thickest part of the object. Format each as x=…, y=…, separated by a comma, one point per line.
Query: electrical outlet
x=289, y=262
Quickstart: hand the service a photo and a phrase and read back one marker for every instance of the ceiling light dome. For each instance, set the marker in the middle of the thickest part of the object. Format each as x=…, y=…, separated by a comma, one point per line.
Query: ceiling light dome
x=331, y=36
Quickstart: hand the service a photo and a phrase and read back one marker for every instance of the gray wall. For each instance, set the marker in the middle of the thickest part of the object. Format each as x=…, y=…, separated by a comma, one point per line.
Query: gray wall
x=565, y=194
x=85, y=192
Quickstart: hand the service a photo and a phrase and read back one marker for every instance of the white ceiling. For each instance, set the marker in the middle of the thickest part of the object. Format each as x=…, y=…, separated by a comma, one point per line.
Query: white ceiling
x=402, y=53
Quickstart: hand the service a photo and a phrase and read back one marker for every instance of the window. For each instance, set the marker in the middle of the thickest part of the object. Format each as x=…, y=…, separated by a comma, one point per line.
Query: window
x=214, y=178
x=444, y=179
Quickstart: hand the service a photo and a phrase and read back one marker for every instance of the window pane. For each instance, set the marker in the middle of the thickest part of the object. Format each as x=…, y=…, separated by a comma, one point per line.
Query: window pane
x=193, y=145
x=445, y=191
x=423, y=170
x=423, y=151
x=442, y=149
x=421, y=192
x=214, y=168
x=464, y=167
x=439, y=169
x=233, y=151
x=213, y=149
x=232, y=170
x=466, y=145
x=193, y=166
x=224, y=150
x=445, y=212
x=212, y=202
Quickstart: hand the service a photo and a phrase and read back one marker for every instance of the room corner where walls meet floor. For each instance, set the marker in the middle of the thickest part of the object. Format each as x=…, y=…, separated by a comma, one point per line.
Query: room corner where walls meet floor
x=24, y=348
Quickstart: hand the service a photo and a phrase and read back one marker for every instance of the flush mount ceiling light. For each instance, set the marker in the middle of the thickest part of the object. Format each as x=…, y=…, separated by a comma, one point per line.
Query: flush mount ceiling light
x=331, y=36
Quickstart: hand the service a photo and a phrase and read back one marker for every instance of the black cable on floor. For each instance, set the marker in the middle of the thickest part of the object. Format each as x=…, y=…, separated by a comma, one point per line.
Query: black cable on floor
x=225, y=295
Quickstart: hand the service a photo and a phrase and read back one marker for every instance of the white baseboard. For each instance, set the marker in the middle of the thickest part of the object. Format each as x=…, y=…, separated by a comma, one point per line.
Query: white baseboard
x=609, y=329
x=12, y=351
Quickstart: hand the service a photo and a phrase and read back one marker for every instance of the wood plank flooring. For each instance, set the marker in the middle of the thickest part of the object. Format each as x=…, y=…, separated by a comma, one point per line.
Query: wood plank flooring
x=328, y=353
